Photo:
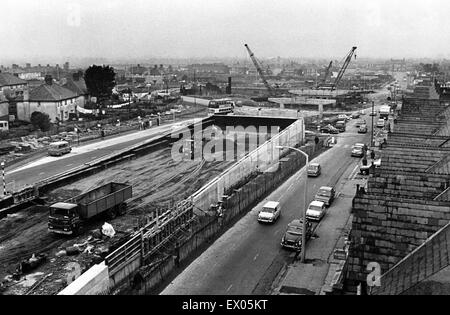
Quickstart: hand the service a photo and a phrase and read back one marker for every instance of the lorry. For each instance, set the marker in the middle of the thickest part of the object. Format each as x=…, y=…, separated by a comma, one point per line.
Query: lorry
x=68, y=217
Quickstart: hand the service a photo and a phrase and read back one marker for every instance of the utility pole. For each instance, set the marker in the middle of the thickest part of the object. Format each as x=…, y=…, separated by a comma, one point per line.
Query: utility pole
x=371, y=140
x=3, y=177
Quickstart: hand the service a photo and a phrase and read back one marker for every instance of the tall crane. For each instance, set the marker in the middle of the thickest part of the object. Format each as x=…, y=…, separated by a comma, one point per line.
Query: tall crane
x=327, y=72
x=260, y=71
x=344, y=67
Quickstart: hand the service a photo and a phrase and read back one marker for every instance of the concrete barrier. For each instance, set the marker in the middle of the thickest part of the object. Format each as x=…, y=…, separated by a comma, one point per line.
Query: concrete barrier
x=93, y=282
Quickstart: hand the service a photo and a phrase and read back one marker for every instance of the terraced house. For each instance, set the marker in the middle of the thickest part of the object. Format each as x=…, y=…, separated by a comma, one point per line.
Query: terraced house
x=401, y=220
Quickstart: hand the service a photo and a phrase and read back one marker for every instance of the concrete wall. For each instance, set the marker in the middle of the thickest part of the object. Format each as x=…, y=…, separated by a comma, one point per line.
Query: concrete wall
x=93, y=282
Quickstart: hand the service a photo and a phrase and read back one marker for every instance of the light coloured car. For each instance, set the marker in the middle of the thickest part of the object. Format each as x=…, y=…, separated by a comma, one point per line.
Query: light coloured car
x=270, y=212
x=316, y=210
x=357, y=150
x=344, y=117
x=314, y=170
x=380, y=123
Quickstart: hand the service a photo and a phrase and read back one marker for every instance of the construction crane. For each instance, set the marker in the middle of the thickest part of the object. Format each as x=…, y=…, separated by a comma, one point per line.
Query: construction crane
x=327, y=72
x=260, y=71
x=344, y=67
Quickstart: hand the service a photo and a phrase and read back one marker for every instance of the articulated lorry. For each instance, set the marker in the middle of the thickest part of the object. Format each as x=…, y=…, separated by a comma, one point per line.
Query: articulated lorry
x=68, y=217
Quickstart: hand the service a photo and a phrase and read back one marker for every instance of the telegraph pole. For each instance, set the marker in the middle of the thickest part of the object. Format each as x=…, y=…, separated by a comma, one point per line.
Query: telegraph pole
x=3, y=177
x=371, y=139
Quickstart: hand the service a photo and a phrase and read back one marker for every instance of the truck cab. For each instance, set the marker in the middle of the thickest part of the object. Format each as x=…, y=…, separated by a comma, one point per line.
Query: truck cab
x=63, y=218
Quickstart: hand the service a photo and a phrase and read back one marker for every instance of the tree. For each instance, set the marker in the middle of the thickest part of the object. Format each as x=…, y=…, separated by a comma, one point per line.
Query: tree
x=40, y=120
x=100, y=80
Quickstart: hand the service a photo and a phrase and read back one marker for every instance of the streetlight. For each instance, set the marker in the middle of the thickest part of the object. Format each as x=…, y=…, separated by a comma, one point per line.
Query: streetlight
x=304, y=199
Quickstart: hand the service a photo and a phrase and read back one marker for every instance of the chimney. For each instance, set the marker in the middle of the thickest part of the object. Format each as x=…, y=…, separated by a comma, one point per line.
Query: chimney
x=48, y=79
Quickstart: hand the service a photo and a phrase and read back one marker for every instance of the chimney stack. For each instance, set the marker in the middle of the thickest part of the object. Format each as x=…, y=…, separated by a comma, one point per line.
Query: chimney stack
x=48, y=79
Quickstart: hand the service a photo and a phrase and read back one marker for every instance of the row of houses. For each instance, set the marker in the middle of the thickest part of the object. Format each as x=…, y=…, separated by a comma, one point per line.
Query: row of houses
x=18, y=100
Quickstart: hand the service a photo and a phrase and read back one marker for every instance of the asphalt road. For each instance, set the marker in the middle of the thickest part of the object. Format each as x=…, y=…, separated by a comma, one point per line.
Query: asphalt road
x=248, y=257
x=49, y=166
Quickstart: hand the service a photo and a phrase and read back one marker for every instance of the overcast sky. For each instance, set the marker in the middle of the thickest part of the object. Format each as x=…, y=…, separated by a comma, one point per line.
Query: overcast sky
x=208, y=28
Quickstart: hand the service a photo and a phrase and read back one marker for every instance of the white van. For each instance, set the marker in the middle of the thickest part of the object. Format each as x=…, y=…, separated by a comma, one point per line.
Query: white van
x=270, y=212
x=59, y=148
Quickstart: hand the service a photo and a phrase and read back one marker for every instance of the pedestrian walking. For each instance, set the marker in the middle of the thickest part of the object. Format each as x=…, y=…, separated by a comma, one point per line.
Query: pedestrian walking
x=372, y=154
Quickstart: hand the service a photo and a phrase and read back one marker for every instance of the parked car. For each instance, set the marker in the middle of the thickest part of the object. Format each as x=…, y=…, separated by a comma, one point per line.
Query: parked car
x=344, y=117
x=270, y=212
x=329, y=129
x=360, y=122
x=357, y=150
x=374, y=113
x=316, y=210
x=314, y=170
x=326, y=194
x=362, y=129
x=381, y=123
x=355, y=115
x=292, y=238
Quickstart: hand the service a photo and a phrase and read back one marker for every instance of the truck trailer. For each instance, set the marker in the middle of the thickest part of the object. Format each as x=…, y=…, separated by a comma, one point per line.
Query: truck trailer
x=68, y=217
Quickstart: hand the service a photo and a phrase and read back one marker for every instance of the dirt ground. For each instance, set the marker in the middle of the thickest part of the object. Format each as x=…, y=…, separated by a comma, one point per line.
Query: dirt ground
x=158, y=182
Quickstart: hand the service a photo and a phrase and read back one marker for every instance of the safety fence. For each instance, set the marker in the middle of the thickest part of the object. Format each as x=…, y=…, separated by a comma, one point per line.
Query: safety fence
x=258, y=160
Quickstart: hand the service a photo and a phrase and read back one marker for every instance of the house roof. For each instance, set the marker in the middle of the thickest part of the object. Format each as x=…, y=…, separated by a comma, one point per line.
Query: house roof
x=51, y=93
x=78, y=87
x=7, y=79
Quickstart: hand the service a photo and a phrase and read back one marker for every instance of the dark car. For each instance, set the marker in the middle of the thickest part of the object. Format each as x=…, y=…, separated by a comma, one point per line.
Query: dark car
x=362, y=129
x=293, y=236
x=329, y=129
x=314, y=170
x=326, y=195
x=355, y=115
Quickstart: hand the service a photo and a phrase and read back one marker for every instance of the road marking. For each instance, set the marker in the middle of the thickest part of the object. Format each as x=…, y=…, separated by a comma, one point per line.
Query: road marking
x=276, y=232
x=69, y=164
x=346, y=146
x=229, y=288
x=42, y=173
x=256, y=256
x=353, y=173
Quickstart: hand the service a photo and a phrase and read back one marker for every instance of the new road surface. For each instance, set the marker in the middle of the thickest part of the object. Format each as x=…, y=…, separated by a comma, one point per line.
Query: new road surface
x=49, y=166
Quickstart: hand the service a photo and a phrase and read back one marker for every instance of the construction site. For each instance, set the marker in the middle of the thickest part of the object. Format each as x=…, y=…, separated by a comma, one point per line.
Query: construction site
x=159, y=185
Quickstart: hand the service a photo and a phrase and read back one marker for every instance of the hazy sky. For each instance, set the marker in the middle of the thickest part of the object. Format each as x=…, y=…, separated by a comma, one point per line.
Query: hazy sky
x=208, y=28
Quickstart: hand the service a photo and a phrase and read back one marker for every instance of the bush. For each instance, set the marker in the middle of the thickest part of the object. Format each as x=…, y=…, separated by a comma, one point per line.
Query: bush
x=41, y=121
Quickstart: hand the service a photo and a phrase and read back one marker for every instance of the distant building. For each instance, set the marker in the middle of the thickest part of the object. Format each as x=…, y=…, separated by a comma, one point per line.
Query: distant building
x=217, y=68
x=56, y=101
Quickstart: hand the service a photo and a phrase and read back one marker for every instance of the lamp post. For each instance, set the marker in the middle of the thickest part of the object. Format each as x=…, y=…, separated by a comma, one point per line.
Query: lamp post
x=372, y=131
x=3, y=177
x=303, y=252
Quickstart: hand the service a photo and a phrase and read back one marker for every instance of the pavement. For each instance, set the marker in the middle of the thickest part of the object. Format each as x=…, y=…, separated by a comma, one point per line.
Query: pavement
x=28, y=174
x=248, y=258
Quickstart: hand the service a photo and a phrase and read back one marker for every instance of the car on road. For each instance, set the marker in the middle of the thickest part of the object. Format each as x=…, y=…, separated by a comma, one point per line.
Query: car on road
x=358, y=150
x=360, y=122
x=344, y=117
x=326, y=195
x=362, y=129
x=314, y=170
x=329, y=129
x=293, y=236
x=381, y=123
x=270, y=212
x=356, y=115
x=316, y=210
x=374, y=113
x=340, y=125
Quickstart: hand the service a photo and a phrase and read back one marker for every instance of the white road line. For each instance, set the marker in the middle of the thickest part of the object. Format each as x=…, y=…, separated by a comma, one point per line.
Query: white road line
x=229, y=288
x=256, y=256
x=353, y=173
x=42, y=173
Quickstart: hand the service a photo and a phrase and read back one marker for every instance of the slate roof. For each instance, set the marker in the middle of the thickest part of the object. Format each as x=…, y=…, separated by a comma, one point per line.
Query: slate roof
x=51, y=93
x=7, y=79
x=78, y=87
